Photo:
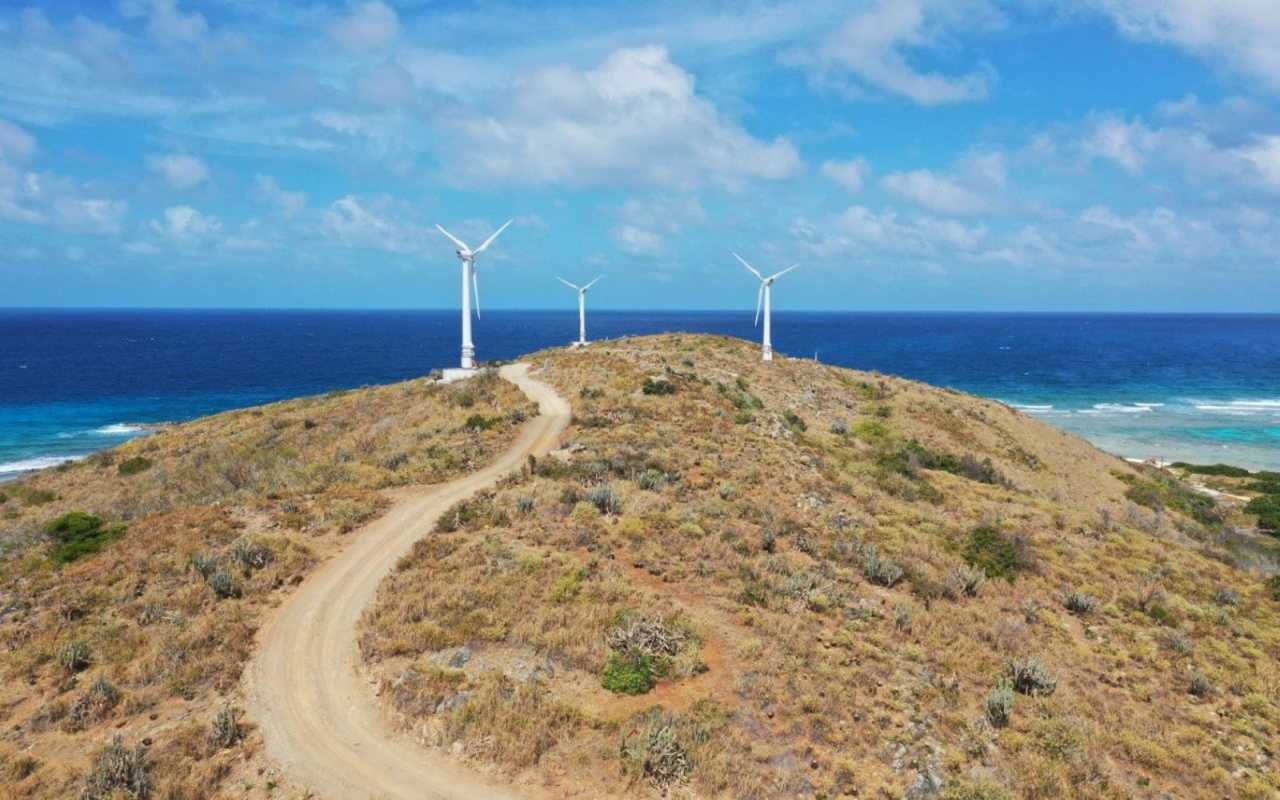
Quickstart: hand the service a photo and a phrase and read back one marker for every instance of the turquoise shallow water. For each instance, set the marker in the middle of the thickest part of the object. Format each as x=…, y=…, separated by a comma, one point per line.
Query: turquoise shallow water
x=1178, y=387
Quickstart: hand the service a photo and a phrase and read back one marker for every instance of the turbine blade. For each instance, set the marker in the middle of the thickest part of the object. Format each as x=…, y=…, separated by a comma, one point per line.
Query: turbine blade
x=784, y=272
x=748, y=266
x=489, y=241
x=593, y=283
x=455, y=239
x=475, y=289
x=566, y=283
x=759, y=302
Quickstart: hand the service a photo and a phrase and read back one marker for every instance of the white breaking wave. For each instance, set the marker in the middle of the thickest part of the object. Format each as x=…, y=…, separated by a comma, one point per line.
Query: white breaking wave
x=33, y=464
x=118, y=429
x=1239, y=408
x=1119, y=408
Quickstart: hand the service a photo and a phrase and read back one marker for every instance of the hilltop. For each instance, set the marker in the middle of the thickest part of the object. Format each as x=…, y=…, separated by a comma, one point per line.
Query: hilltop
x=794, y=580
x=732, y=579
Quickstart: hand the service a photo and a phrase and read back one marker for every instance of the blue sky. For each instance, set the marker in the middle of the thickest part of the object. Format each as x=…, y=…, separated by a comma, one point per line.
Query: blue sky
x=909, y=154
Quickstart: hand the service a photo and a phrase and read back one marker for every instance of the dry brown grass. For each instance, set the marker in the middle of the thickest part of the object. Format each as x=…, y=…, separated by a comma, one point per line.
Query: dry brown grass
x=257, y=496
x=807, y=671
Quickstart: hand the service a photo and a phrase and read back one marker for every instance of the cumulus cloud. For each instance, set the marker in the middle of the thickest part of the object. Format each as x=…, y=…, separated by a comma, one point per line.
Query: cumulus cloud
x=371, y=223
x=1232, y=144
x=646, y=225
x=635, y=119
x=46, y=198
x=850, y=174
x=179, y=170
x=369, y=26
x=268, y=190
x=972, y=188
x=1241, y=35
x=184, y=224
x=873, y=46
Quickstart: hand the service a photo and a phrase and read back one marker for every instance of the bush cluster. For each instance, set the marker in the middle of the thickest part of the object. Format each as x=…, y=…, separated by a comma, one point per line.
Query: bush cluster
x=132, y=466
x=77, y=534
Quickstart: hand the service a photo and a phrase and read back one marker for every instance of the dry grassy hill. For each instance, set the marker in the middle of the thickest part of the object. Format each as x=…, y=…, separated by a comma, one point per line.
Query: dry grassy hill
x=735, y=580
x=131, y=584
x=743, y=580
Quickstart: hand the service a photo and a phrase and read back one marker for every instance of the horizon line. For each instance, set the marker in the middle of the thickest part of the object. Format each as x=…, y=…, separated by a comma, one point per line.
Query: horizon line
x=567, y=310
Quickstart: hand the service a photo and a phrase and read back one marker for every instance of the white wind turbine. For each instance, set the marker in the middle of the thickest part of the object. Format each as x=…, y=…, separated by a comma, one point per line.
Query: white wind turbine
x=469, y=283
x=582, y=307
x=765, y=298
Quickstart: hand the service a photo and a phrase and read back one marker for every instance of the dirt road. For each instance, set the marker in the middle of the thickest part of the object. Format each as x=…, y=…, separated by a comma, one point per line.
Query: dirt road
x=319, y=718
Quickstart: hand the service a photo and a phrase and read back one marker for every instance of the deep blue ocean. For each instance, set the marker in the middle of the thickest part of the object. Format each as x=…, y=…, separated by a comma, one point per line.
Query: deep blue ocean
x=1178, y=387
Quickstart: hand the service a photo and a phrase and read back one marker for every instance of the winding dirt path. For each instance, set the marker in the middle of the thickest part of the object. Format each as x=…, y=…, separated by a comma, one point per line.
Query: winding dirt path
x=319, y=717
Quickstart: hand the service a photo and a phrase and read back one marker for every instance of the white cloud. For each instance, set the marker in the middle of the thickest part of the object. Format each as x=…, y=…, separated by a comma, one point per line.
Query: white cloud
x=184, y=224
x=369, y=26
x=1231, y=146
x=371, y=223
x=634, y=119
x=850, y=174
x=179, y=170
x=1242, y=34
x=268, y=190
x=647, y=225
x=973, y=187
x=166, y=22
x=15, y=143
x=872, y=46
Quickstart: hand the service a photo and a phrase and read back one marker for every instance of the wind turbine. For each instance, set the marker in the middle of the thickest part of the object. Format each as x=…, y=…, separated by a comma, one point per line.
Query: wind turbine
x=582, y=307
x=764, y=298
x=469, y=283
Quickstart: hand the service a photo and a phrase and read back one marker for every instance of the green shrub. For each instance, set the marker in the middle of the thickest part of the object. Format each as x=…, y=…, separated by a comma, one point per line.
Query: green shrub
x=118, y=773
x=1225, y=470
x=77, y=534
x=75, y=656
x=224, y=585
x=4, y=498
x=251, y=555
x=1226, y=596
x=652, y=480
x=1267, y=507
x=1000, y=702
x=839, y=427
x=38, y=497
x=479, y=422
x=658, y=386
x=525, y=505
x=1198, y=684
x=882, y=571
x=133, y=466
x=743, y=418
x=1080, y=603
x=630, y=673
x=225, y=730
x=794, y=421
x=1164, y=491
x=605, y=499
x=205, y=564
x=1029, y=676
x=1273, y=586
x=996, y=554
x=653, y=748
x=974, y=790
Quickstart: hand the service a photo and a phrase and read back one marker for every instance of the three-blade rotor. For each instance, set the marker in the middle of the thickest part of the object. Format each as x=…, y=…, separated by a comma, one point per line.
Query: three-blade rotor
x=764, y=282
x=467, y=254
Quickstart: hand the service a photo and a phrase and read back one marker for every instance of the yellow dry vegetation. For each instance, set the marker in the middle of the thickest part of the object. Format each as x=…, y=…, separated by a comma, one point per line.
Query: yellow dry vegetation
x=146, y=638
x=860, y=586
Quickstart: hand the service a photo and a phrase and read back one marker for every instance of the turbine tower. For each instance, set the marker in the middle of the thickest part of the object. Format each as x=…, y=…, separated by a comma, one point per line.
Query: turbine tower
x=469, y=283
x=764, y=298
x=582, y=307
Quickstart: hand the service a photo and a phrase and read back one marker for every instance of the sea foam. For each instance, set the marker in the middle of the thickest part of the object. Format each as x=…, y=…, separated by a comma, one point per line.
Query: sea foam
x=33, y=464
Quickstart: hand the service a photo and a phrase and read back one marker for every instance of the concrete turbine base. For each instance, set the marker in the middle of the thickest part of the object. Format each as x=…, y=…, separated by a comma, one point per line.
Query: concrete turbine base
x=457, y=374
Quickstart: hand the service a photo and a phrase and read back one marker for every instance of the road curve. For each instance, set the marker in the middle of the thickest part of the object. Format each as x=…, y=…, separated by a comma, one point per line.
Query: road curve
x=319, y=718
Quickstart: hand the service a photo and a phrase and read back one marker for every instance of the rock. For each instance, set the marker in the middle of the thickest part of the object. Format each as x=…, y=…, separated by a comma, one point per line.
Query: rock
x=460, y=657
x=928, y=783
x=450, y=703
